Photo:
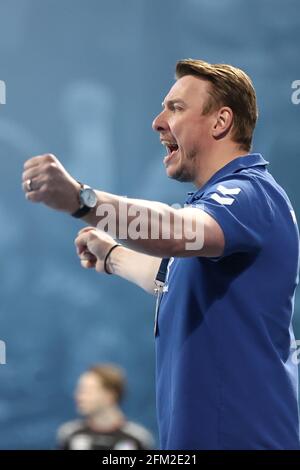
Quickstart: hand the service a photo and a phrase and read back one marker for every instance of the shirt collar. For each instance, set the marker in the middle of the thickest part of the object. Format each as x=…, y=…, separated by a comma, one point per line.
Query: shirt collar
x=236, y=165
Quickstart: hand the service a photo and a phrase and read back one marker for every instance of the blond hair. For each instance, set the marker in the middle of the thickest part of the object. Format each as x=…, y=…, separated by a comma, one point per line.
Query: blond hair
x=230, y=87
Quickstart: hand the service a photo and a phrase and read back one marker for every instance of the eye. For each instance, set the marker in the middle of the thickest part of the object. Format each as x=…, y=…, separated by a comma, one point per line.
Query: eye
x=177, y=107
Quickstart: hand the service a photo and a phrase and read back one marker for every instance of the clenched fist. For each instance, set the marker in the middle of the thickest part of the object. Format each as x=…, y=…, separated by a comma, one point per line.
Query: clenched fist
x=92, y=246
x=46, y=180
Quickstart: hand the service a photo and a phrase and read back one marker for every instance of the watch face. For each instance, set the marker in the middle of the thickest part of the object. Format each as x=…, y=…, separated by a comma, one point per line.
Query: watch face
x=88, y=197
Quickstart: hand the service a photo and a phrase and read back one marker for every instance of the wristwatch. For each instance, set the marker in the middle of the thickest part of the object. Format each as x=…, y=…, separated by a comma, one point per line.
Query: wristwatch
x=87, y=200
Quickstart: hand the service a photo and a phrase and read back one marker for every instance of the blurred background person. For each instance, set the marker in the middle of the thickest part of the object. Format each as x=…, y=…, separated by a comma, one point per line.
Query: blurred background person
x=103, y=425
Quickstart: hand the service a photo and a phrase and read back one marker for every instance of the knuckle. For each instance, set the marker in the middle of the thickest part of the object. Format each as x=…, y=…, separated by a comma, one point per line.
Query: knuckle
x=50, y=158
x=49, y=169
x=52, y=166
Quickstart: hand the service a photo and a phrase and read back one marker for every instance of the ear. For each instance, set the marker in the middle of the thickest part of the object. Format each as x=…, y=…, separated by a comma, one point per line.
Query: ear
x=223, y=122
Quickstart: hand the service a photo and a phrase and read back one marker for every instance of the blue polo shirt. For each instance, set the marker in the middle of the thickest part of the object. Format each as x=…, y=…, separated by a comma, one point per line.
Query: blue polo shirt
x=226, y=378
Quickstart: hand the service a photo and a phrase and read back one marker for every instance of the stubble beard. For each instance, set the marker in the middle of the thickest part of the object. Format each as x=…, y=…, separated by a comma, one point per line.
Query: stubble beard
x=185, y=171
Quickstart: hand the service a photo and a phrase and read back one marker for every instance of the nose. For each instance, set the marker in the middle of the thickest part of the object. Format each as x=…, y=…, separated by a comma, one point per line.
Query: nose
x=159, y=124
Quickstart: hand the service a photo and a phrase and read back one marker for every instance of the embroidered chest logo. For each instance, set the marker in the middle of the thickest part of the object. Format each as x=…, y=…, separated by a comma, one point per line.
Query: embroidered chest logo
x=225, y=200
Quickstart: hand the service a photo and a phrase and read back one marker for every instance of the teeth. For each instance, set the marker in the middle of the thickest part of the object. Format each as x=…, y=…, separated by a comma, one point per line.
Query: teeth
x=170, y=146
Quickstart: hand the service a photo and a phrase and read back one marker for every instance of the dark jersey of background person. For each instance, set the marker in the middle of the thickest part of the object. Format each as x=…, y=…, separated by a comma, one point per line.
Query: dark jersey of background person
x=226, y=378
x=77, y=435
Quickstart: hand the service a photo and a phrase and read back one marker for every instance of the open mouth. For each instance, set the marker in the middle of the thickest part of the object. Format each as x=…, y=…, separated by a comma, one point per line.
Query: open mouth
x=172, y=149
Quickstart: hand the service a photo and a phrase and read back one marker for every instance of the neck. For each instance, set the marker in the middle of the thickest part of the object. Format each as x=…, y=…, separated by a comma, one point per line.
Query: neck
x=213, y=161
x=106, y=419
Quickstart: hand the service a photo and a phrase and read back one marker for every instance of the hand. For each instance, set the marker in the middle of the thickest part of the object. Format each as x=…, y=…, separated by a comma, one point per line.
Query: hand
x=92, y=246
x=45, y=180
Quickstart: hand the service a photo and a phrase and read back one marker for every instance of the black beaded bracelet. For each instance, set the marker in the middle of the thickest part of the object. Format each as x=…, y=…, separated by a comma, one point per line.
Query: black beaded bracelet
x=107, y=255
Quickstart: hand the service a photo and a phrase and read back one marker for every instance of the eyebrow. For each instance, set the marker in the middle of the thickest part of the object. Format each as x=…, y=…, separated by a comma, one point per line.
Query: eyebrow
x=172, y=102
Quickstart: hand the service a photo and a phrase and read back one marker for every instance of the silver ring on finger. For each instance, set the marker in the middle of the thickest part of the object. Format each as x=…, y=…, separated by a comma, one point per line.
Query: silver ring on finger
x=29, y=185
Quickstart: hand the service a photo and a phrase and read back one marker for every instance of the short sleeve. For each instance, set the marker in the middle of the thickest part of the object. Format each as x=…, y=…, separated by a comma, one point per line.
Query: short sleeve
x=241, y=209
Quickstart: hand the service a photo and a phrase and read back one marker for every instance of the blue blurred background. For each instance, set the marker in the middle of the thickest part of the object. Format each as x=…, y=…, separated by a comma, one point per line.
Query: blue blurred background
x=84, y=81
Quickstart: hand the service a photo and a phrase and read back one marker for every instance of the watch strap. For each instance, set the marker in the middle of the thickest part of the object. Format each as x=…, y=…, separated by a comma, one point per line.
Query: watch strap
x=83, y=210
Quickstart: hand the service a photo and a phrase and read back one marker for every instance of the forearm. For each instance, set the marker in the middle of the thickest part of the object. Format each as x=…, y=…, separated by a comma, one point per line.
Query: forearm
x=157, y=229
x=148, y=227
x=138, y=268
x=119, y=216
